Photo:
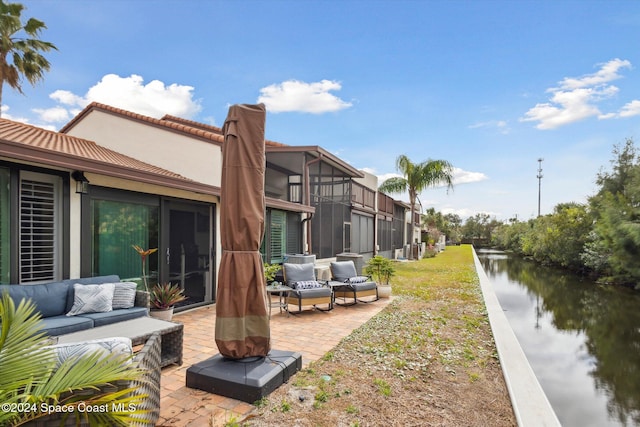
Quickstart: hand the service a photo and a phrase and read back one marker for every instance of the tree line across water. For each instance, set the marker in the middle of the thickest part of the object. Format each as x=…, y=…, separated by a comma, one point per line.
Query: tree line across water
x=600, y=237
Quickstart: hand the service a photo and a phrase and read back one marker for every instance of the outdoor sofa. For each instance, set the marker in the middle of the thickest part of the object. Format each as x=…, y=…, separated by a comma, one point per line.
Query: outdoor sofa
x=78, y=304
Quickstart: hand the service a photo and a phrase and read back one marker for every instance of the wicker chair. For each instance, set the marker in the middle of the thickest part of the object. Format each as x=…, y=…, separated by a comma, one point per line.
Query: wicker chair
x=148, y=358
x=351, y=285
x=307, y=291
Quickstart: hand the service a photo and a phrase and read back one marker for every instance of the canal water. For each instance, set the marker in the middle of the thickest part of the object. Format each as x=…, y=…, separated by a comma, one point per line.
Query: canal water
x=581, y=339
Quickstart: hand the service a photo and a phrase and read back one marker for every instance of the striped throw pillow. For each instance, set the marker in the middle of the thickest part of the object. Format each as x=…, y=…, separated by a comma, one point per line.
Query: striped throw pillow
x=124, y=295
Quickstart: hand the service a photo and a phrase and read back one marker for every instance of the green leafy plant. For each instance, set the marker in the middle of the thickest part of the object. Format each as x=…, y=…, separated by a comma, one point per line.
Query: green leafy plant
x=270, y=271
x=29, y=378
x=384, y=388
x=166, y=295
x=381, y=269
x=285, y=406
x=352, y=410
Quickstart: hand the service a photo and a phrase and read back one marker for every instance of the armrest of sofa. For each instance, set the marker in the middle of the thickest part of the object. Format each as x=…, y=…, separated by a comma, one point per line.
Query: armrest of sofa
x=142, y=299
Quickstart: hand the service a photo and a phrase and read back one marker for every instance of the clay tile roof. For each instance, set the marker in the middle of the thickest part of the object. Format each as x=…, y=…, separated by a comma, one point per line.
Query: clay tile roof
x=211, y=128
x=192, y=123
x=44, y=140
x=173, y=125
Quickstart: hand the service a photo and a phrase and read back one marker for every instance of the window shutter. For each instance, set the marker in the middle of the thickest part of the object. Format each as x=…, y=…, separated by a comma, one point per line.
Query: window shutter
x=37, y=231
x=278, y=236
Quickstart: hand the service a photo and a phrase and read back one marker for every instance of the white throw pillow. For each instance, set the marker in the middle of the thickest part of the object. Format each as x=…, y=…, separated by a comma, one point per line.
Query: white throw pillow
x=92, y=298
x=124, y=295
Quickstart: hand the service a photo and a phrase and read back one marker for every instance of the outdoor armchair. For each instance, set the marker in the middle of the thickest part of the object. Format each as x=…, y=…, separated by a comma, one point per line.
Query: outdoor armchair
x=347, y=284
x=306, y=289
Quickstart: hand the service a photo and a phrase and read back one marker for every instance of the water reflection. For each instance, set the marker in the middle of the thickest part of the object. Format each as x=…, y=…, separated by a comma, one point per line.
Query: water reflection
x=582, y=340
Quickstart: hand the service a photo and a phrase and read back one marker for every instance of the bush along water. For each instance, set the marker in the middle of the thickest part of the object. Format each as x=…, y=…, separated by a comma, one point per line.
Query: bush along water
x=601, y=237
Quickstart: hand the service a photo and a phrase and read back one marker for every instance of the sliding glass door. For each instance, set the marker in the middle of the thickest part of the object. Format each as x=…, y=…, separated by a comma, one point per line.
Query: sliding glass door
x=187, y=249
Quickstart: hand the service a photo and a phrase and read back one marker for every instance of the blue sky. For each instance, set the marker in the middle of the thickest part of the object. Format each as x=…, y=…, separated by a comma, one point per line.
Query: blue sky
x=490, y=86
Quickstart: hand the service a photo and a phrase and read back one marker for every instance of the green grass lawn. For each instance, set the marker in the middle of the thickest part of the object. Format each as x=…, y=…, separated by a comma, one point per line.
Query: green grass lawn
x=450, y=274
x=431, y=350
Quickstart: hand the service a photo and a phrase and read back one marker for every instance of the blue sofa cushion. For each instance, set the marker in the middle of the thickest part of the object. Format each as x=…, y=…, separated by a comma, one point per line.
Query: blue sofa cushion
x=101, y=319
x=49, y=299
x=297, y=273
x=311, y=293
x=60, y=325
x=343, y=270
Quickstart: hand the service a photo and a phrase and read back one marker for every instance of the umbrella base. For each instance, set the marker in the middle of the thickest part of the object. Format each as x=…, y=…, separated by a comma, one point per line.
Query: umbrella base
x=244, y=380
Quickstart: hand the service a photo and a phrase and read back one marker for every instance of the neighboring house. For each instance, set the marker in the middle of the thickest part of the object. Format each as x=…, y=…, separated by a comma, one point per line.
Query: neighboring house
x=392, y=233
x=314, y=177
x=189, y=241
x=52, y=228
x=156, y=183
x=363, y=216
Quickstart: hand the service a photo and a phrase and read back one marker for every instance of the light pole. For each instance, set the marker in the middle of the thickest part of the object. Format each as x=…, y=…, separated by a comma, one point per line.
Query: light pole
x=539, y=176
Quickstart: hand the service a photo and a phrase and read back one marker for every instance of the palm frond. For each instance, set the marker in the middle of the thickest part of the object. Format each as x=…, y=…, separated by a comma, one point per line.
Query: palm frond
x=395, y=184
x=28, y=374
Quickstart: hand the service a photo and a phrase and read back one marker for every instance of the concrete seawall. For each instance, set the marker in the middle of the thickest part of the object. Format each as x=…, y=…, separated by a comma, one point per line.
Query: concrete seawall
x=530, y=404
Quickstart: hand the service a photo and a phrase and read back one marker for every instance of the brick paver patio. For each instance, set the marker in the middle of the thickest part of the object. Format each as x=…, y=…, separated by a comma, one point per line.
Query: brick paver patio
x=311, y=333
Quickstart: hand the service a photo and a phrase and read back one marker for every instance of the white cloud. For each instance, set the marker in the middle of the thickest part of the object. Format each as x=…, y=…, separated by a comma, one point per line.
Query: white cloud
x=608, y=72
x=52, y=115
x=294, y=95
x=155, y=99
x=500, y=125
x=630, y=109
x=67, y=98
x=576, y=97
x=8, y=116
x=461, y=176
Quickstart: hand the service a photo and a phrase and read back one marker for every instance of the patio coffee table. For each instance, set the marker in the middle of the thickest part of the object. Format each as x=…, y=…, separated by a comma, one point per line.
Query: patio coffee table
x=138, y=330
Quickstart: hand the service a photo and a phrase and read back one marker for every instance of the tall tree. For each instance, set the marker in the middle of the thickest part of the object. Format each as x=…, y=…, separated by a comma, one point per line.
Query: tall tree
x=20, y=48
x=416, y=178
x=614, y=247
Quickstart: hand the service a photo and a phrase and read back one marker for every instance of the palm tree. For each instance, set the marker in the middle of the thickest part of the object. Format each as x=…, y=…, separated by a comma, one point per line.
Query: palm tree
x=20, y=56
x=30, y=380
x=416, y=178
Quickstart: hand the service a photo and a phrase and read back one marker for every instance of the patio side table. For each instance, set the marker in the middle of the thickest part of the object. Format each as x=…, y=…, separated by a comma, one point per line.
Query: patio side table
x=282, y=291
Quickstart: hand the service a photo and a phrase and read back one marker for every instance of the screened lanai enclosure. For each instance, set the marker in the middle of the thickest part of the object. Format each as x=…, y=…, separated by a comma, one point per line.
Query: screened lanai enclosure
x=309, y=176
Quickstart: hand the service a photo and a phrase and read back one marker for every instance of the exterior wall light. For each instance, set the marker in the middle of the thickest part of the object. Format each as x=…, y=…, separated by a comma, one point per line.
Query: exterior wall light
x=82, y=183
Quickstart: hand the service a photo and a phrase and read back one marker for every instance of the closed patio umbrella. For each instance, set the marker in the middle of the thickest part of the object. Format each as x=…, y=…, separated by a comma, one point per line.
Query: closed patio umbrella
x=242, y=319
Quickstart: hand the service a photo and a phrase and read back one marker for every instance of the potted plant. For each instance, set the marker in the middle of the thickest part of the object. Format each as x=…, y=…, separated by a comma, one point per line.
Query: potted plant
x=270, y=271
x=163, y=297
x=143, y=256
x=381, y=269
